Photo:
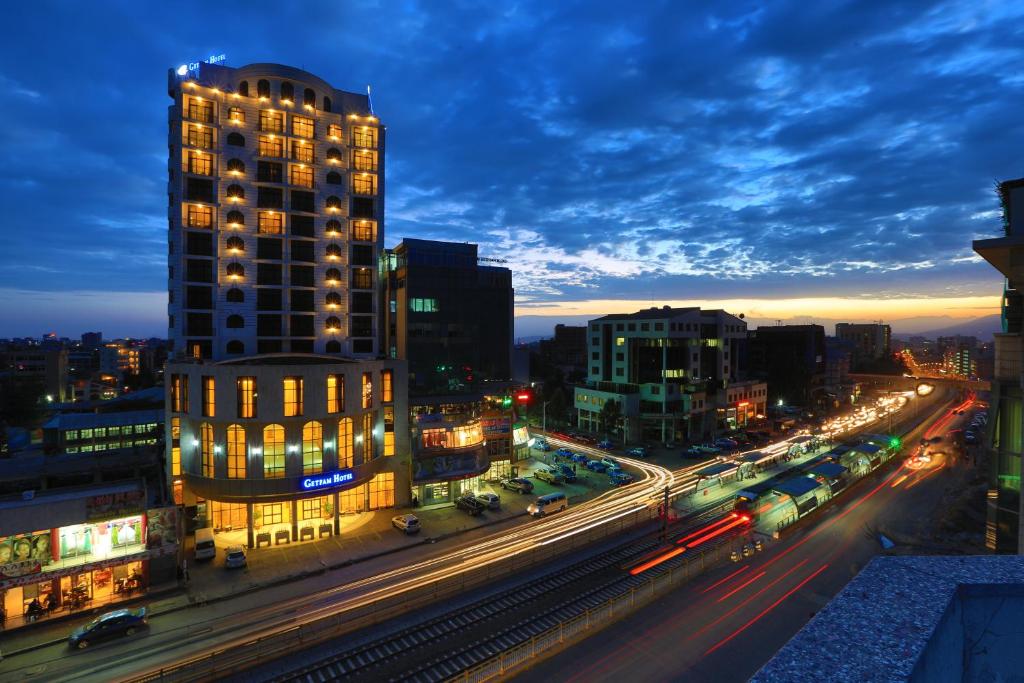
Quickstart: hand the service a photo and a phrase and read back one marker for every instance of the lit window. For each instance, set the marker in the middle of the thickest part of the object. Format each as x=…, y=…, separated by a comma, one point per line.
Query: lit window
x=620, y=341
x=367, y=437
x=382, y=490
x=236, y=452
x=270, y=223
x=271, y=146
x=386, y=395
x=302, y=151
x=345, y=442
x=199, y=216
x=367, y=392
x=363, y=230
x=312, y=448
x=199, y=109
x=273, y=452
x=206, y=448
x=335, y=393
x=364, y=160
x=301, y=176
x=423, y=305
x=246, y=390
x=292, y=396
x=271, y=122
x=236, y=115
x=389, y=443
x=209, y=397
x=179, y=398
x=364, y=136
x=334, y=131
x=198, y=163
x=364, y=184
x=199, y=136
x=302, y=126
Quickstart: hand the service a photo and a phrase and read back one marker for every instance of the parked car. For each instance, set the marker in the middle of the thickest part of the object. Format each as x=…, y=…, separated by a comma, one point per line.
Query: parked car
x=552, y=502
x=694, y=452
x=638, y=451
x=517, y=484
x=580, y=458
x=610, y=462
x=542, y=446
x=121, y=622
x=550, y=476
x=726, y=444
x=621, y=479
x=587, y=439
x=491, y=500
x=564, y=452
x=596, y=466
x=567, y=472
x=606, y=444
x=234, y=557
x=408, y=523
x=470, y=504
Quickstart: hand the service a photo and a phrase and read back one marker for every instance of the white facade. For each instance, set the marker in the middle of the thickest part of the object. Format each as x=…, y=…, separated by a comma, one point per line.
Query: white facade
x=275, y=217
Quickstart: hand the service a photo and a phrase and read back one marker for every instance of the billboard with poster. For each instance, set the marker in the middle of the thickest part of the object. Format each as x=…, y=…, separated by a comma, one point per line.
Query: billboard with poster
x=161, y=527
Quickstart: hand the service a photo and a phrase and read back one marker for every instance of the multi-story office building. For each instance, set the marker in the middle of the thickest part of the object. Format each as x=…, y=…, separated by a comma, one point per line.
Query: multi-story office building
x=791, y=358
x=281, y=415
x=871, y=341
x=1006, y=421
x=46, y=366
x=670, y=371
x=276, y=187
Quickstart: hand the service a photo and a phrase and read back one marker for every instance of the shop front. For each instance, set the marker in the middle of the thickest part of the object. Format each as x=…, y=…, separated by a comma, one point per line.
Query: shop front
x=441, y=478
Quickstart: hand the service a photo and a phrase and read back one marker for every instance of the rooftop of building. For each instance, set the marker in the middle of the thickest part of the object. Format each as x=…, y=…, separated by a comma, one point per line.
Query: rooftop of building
x=911, y=618
x=93, y=420
x=285, y=359
x=650, y=314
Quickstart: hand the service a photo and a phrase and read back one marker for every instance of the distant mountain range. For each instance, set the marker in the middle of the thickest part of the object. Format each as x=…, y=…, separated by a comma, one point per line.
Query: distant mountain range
x=983, y=328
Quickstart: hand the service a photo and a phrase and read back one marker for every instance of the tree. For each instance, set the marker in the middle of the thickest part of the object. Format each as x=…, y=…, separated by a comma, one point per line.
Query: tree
x=610, y=416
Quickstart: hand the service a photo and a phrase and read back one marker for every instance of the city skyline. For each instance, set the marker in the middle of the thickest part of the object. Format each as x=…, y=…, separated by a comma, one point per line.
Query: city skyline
x=750, y=162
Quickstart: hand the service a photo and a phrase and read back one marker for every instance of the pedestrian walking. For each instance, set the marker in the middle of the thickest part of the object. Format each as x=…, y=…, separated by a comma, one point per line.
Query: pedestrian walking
x=184, y=571
x=574, y=468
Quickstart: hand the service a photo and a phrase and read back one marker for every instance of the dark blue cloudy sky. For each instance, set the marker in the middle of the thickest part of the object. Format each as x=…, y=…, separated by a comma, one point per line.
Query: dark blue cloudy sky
x=785, y=157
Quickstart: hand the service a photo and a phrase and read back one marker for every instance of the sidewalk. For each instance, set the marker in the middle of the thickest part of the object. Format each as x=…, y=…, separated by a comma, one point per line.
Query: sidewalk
x=364, y=537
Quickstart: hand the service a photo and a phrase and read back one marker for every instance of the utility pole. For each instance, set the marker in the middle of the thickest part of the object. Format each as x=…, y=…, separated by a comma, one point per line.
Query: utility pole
x=664, y=518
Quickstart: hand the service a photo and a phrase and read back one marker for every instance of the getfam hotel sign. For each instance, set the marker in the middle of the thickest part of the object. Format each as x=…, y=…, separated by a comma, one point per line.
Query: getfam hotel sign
x=327, y=480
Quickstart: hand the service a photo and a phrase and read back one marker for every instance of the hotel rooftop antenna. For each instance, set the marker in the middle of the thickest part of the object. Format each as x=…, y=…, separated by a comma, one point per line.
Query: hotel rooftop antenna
x=368, y=99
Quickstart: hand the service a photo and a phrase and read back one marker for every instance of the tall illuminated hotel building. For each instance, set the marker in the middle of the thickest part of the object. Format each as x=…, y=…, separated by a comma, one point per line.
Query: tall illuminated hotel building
x=283, y=415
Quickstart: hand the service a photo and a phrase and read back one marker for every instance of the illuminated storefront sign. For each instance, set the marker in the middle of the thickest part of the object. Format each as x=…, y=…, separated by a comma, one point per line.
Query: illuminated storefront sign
x=193, y=67
x=323, y=481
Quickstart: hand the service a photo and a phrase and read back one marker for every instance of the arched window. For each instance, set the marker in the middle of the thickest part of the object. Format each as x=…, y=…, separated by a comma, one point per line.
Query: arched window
x=312, y=448
x=235, y=346
x=236, y=139
x=235, y=219
x=333, y=227
x=236, y=166
x=333, y=155
x=235, y=271
x=236, y=322
x=273, y=452
x=333, y=324
x=206, y=448
x=235, y=193
x=243, y=88
x=346, y=447
x=333, y=300
x=236, y=452
x=333, y=252
x=287, y=91
x=333, y=276
x=235, y=245
x=333, y=346
x=309, y=97
x=236, y=296
x=333, y=203
x=334, y=178
x=327, y=103
x=263, y=88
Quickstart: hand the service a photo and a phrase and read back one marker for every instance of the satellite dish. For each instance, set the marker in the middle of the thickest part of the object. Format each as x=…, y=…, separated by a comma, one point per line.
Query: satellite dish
x=742, y=316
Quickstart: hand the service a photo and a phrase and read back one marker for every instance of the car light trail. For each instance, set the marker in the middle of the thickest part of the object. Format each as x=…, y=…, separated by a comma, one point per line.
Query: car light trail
x=766, y=610
x=707, y=527
x=717, y=532
x=675, y=552
x=741, y=586
x=718, y=583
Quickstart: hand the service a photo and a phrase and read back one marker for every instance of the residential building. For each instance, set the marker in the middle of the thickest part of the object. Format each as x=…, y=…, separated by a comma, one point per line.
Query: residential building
x=791, y=359
x=46, y=366
x=92, y=340
x=276, y=188
x=669, y=370
x=1006, y=422
x=871, y=341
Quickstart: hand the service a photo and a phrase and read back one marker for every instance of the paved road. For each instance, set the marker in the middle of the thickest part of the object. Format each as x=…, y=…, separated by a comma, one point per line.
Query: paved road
x=724, y=627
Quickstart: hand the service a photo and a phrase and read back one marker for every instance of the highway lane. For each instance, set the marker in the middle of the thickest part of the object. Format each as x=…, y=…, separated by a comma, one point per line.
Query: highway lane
x=725, y=626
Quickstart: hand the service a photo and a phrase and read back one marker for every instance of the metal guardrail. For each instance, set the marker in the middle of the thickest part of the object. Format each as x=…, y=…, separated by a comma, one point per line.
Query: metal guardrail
x=567, y=632
x=239, y=656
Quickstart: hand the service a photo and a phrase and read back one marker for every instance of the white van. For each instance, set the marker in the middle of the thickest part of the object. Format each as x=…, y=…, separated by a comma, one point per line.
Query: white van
x=205, y=548
x=552, y=502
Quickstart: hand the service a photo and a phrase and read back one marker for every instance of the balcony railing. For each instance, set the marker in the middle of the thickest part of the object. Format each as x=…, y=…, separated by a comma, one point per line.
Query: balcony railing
x=1009, y=357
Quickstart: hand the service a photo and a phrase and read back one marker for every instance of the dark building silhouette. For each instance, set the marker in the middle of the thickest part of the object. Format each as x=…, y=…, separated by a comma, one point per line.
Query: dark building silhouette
x=791, y=358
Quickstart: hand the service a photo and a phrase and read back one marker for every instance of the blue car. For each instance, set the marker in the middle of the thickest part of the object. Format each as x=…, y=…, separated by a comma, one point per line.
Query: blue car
x=542, y=446
x=606, y=444
x=580, y=458
x=638, y=452
x=564, y=452
x=567, y=472
x=621, y=479
x=122, y=622
x=726, y=444
x=596, y=466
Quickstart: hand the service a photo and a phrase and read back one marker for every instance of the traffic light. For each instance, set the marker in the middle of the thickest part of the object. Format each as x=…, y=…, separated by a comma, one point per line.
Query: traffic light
x=894, y=442
x=506, y=402
x=524, y=396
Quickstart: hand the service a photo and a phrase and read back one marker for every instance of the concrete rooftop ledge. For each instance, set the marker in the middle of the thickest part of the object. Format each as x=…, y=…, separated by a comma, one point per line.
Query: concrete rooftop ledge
x=914, y=618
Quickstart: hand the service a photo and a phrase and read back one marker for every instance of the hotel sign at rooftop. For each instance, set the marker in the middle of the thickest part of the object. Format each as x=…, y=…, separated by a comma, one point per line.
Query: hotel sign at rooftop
x=191, y=69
